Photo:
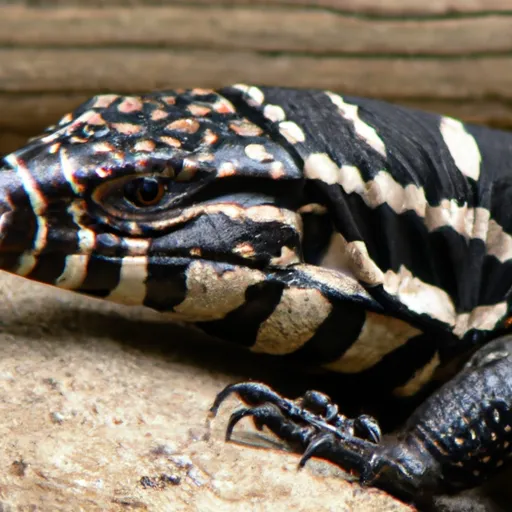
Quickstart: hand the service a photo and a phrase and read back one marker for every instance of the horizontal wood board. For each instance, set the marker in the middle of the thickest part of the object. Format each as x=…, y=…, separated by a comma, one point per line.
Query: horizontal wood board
x=453, y=57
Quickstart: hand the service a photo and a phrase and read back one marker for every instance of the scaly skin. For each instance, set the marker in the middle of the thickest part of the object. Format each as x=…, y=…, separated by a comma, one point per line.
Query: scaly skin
x=356, y=235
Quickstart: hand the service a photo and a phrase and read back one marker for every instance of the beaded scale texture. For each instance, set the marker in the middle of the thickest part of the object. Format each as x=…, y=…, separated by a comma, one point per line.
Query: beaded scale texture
x=362, y=237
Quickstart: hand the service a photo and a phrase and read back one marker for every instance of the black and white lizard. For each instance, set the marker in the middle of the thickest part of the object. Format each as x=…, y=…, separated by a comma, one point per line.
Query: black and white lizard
x=360, y=236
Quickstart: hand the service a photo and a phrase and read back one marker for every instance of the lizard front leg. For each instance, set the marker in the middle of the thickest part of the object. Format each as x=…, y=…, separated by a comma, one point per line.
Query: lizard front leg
x=456, y=439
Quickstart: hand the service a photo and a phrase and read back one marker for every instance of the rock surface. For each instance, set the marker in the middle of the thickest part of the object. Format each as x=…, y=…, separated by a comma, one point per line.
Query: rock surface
x=104, y=408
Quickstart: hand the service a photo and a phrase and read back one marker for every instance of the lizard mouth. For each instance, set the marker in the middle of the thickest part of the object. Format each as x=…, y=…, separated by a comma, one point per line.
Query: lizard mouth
x=193, y=288
x=213, y=256
x=208, y=251
x=213, y=235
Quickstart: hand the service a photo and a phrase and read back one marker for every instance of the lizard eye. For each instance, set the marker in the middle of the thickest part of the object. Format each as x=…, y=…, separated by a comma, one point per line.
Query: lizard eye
x=144, y=191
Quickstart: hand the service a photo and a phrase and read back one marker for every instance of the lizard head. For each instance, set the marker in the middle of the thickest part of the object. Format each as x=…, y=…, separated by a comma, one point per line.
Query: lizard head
x=128, y=196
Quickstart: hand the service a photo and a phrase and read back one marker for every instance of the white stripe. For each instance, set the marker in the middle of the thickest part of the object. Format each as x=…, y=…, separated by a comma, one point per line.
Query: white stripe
x=472, y=223
x=365, y=131
x=319, y=166
x=28, y=259
x=26, y=263
x=354, y=258
x=68, y=171
x=75, y=269
x=484, y=318
x=339, y=280
x=383, y=189
x=131, y=289
x=499, y=243
x=86, y=237
x=415, y=294
x=293, y=322
x=379, y=336
x=36, y=198
x=210, y=295
x=419, y=296
x=462, y=146
x=260, y=213
x=74, y=273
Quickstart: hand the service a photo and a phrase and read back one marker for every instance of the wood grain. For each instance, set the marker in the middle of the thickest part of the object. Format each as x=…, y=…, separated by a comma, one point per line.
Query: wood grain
x=255, y=29
x=358, y=7
x=452, y=56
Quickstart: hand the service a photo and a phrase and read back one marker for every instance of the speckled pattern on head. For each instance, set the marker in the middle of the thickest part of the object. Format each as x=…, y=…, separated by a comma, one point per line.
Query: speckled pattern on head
x=351, y=233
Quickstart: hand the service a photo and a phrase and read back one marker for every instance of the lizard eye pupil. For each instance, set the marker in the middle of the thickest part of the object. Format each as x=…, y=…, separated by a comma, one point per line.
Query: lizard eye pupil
x=144, y=191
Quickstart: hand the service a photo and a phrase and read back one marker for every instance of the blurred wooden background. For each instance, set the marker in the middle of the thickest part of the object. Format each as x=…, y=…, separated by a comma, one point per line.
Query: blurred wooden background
x=451, y=56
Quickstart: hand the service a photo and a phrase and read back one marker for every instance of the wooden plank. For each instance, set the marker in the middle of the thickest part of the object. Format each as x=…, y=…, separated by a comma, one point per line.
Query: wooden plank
x=28, y=113
x=254, y=29
x=358, y=7
x=125, y=70
x=10, y=141
x=449, y=56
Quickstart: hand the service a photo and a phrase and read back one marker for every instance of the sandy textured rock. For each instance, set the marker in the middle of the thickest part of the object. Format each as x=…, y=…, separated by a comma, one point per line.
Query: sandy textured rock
x=104, y=408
